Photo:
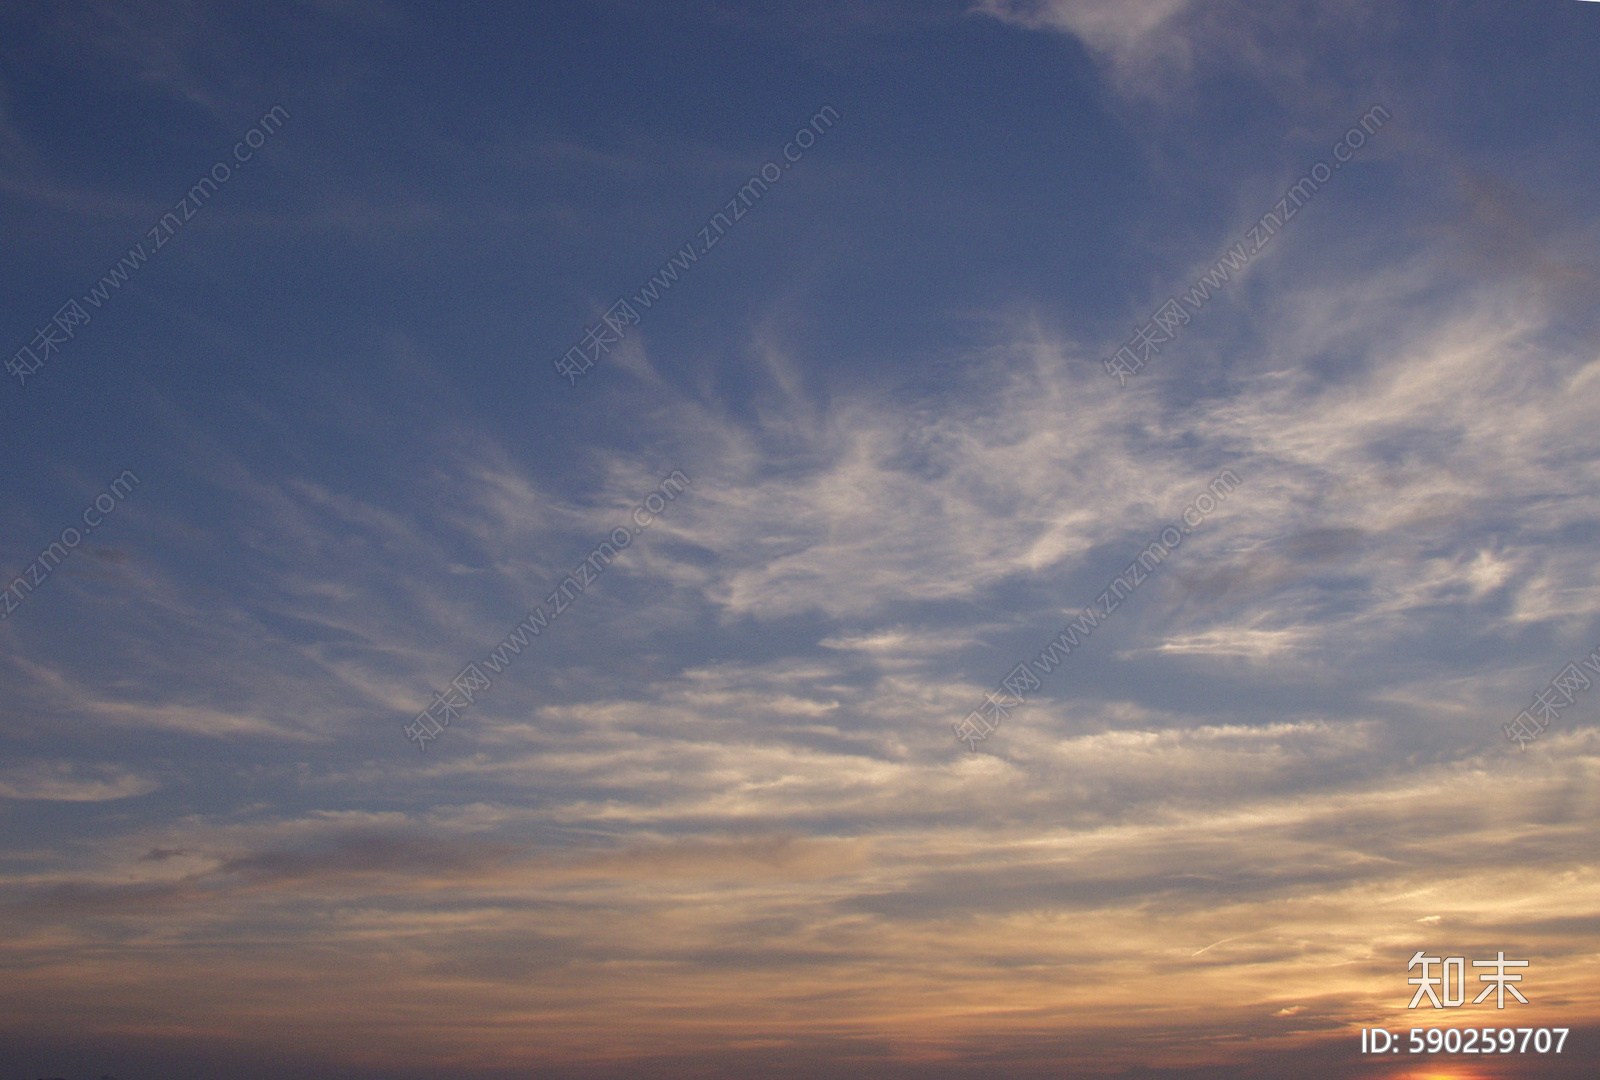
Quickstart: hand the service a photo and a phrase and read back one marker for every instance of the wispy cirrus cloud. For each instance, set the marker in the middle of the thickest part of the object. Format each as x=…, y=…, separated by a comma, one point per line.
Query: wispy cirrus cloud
x=70, y=781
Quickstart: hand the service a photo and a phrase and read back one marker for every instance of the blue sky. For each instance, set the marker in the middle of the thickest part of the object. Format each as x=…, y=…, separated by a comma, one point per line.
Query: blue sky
x=714, y=818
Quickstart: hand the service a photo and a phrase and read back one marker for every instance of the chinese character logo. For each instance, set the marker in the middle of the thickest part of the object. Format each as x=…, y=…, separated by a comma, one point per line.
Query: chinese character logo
x=1452, y=980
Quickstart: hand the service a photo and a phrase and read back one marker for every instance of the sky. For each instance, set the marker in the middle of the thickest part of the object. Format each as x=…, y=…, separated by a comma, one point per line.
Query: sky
x=856, y=539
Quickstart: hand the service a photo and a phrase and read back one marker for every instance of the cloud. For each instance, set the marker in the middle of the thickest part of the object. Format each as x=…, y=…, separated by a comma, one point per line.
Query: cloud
x=347, y=855
x=1298, y=904
x=1315, y=60
x=716, y=808
x=1137, y=38
x=70, y=781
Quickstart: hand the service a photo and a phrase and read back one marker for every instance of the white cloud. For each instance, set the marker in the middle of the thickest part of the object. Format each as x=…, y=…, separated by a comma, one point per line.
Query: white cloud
x=1136, y=37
